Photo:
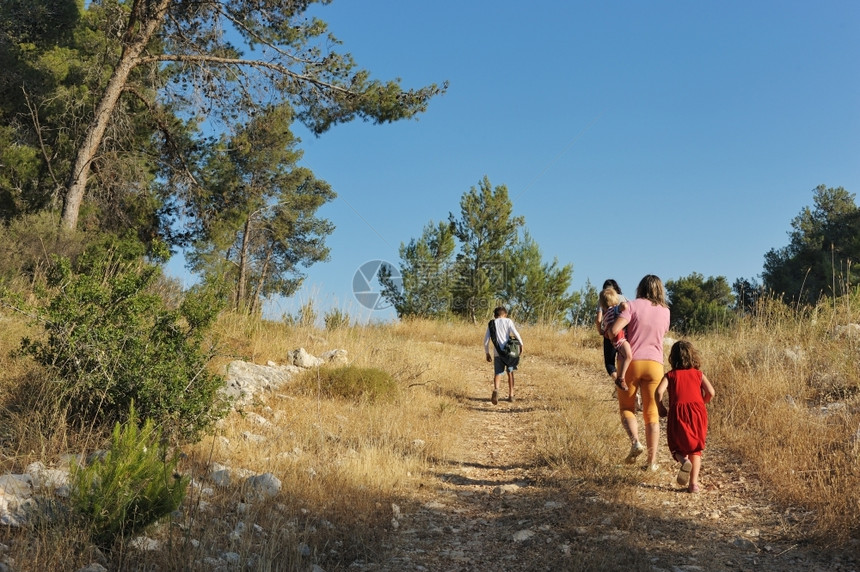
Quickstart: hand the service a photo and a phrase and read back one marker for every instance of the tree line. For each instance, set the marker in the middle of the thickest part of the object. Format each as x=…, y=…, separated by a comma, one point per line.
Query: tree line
x=478, y=257
x=485, y=256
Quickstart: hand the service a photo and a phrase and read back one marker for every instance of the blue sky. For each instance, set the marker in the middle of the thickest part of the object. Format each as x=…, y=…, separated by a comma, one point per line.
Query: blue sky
x=634, y=137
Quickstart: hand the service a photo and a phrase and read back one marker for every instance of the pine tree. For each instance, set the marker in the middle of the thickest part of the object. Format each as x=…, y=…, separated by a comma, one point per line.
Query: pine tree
x=425, y=274
x=486, y=230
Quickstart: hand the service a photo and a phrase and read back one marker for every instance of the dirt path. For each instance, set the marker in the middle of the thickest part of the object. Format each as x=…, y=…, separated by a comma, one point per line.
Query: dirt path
x=491, y=506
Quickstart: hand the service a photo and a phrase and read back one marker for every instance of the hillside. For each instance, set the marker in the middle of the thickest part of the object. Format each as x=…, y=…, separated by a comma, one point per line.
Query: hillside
x=435, y=477
x=494, y=503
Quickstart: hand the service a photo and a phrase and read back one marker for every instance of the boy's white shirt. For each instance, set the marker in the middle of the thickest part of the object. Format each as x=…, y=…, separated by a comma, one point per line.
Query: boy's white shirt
x=504, y=328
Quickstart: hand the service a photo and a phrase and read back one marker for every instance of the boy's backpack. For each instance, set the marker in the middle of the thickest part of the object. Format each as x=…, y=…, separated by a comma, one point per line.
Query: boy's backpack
x=513, y=347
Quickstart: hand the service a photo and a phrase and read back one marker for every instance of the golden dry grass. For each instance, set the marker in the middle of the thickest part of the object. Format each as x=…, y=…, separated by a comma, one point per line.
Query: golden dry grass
x=787, y=405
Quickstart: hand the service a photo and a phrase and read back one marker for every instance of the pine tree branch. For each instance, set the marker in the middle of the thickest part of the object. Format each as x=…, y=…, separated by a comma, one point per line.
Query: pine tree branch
x=240, y=62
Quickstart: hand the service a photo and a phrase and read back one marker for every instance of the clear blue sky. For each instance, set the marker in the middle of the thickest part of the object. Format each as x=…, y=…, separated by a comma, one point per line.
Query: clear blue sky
x=634, y=137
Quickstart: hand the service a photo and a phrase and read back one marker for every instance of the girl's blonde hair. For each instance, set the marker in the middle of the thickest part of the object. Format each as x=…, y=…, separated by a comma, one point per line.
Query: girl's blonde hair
x=651, y=288
x=684, y=356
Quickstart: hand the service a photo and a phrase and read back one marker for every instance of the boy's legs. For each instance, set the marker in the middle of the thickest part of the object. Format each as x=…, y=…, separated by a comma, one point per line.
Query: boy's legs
x=510, y=385
x=496, y=380
x=498, y=371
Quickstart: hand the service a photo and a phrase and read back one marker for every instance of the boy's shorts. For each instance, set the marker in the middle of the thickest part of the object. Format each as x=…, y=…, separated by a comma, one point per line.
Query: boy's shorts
x=499, y=366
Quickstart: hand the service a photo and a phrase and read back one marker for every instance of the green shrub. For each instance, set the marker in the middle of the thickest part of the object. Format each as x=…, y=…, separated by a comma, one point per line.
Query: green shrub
x=336, y=318
x=131, y=487
x=351, y=382
x=109, y=340
x=306, y=316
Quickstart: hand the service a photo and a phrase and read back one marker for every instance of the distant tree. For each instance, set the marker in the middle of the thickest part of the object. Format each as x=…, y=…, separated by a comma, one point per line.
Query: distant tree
x=474, y=261
x=255, y=212
x=425, y=273
x=747, y=293
x=487, y=230
x=536, y=291
x=697, y=304
x=583, y=309
x=823, y=245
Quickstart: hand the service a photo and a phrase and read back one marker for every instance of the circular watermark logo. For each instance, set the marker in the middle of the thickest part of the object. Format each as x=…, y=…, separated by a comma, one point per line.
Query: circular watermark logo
x=366, y=286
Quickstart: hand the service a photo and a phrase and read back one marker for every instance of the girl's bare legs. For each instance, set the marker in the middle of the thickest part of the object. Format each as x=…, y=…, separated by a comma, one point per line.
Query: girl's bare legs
x=694, y=473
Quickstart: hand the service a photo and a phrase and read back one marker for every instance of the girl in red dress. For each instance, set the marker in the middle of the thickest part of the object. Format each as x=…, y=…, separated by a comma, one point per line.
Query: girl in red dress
x=687, y=423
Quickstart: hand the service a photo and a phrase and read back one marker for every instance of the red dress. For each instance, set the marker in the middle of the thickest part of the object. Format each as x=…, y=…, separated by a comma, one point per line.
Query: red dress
x=687, y=422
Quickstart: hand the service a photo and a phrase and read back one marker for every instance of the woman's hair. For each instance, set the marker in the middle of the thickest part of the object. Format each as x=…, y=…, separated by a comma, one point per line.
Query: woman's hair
x=499, y=312
x=608, y=297
x=684, y=356
x=611, y=283
x=651, y=288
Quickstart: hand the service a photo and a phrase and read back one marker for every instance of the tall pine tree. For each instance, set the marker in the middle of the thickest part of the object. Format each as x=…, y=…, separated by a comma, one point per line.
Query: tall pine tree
x=487, y=230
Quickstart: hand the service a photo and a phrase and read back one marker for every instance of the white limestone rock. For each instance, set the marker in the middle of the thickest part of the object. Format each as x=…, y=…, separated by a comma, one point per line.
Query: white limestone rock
x=301, y=358
x=335, y=357
x=243, y=380
x=264, y=486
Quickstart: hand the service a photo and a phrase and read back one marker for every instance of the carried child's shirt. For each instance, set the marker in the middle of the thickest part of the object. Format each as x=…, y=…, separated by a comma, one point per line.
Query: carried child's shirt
x=609, y=316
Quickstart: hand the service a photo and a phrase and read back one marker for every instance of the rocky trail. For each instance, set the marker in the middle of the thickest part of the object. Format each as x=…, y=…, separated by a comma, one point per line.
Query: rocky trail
x=491, y=506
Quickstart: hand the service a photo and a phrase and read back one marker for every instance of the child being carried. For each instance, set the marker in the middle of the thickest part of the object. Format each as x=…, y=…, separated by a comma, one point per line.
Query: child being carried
x=609, y=303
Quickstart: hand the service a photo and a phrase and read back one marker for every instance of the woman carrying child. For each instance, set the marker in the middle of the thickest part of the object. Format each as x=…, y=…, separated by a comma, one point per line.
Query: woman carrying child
x=647, y=321
x=687, y=417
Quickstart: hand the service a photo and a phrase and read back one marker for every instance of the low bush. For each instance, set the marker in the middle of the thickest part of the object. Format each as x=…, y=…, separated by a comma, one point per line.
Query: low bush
x=109, y=340
x=351, y=382
x=336, y=318
x=131, y=487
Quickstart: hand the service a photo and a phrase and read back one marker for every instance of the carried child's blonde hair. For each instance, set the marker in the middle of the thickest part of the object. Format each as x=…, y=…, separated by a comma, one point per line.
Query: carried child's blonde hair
x=684, y=356
x=608, y=298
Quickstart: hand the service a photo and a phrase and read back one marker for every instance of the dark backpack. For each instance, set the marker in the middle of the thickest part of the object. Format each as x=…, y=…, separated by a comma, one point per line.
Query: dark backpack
x=510, y=354
x=513, y=347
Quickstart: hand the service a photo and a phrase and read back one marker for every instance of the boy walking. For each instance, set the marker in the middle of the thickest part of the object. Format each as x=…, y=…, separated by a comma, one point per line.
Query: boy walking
x=499, y=331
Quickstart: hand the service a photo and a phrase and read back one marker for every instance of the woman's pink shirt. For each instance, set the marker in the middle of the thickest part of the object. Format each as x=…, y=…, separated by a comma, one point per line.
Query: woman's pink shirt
x=647, y=324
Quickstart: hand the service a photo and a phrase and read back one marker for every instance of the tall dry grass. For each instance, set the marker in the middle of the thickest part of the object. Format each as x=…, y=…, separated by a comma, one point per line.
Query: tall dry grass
x=787, y=405
x=343, y=462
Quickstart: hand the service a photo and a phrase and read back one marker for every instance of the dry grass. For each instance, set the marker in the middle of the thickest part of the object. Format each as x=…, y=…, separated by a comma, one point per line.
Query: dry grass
x=789, y=403
x=344, y=462
x=28, y=429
